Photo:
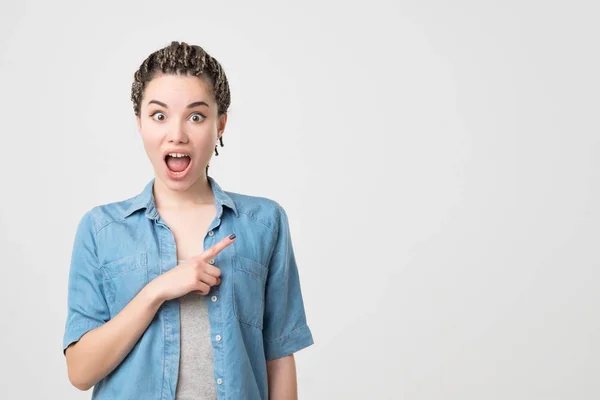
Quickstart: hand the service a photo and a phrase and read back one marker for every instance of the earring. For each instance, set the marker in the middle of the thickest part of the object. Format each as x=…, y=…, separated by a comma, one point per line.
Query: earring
x=221, y=142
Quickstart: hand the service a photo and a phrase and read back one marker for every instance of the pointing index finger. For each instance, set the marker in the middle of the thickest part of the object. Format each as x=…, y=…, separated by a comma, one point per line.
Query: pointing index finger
x=215, y=249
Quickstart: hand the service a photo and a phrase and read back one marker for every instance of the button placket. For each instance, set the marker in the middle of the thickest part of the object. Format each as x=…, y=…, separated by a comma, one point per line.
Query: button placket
x=215, y=314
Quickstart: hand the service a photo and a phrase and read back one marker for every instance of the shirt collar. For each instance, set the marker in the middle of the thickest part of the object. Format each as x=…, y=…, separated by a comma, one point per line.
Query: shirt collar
x=145, y=200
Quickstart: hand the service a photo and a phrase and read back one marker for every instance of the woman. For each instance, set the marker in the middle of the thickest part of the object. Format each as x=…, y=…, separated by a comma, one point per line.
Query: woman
x=185, y=290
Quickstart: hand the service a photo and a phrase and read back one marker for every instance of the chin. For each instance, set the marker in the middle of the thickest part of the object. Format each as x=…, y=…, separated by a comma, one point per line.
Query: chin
x=181, y=183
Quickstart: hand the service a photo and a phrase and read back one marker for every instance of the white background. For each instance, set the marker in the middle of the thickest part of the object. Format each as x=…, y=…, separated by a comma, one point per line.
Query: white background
x=438, y=162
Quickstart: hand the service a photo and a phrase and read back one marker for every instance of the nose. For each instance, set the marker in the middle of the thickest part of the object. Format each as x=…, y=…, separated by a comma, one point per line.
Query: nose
x=176, y=134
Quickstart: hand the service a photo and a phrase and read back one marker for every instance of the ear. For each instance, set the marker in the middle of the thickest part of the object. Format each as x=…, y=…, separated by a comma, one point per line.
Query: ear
x=221, y=125
x=138, y=121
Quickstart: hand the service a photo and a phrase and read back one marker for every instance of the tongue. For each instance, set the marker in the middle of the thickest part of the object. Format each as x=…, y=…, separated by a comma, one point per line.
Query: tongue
x=177, y=164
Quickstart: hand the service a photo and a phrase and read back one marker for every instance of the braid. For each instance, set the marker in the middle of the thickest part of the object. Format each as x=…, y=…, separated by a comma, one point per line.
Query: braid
x=182, y=58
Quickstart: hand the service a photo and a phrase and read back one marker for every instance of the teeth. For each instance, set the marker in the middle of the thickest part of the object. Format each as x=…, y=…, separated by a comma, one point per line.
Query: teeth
x=178, y=155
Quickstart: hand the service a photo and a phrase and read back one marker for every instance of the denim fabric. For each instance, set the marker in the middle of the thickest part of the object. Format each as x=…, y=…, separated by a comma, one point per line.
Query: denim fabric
x=256, y=313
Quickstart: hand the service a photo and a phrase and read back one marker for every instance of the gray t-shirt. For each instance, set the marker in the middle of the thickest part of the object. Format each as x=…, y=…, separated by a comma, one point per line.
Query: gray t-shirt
x=196, y=375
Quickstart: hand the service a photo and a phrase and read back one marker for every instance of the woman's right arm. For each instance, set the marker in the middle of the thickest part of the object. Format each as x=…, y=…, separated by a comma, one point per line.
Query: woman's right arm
x=100, y=350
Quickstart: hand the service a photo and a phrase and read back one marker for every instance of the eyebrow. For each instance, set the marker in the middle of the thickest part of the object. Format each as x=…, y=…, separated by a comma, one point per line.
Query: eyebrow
x=191, y=105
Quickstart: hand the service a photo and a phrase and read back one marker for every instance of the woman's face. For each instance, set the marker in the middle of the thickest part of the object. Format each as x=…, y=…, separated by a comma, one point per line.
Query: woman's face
x=178, y=114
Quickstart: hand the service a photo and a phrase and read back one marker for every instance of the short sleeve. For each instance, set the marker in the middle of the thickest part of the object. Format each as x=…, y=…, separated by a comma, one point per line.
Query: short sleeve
x=86, y=304
x=285, y=330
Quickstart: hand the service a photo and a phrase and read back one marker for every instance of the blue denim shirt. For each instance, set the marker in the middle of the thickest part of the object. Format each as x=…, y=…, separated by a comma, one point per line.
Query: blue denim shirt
x=257, y=311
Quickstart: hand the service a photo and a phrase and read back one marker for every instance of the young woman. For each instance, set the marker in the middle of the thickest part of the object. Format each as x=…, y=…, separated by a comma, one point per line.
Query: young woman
x=185, y=291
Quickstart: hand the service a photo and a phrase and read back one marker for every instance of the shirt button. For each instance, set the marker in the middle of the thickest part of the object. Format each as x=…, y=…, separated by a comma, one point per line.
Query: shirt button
x=214, y=298
x=220, y=381
x=211, y=233
x=212, y=261
x=218, y=337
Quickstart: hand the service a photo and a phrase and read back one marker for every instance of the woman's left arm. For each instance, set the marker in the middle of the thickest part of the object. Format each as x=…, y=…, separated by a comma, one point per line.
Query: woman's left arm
x=281, y=373
x=285, y=330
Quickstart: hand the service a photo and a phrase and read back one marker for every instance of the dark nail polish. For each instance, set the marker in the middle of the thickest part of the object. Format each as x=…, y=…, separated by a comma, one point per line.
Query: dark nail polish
x=232, y=236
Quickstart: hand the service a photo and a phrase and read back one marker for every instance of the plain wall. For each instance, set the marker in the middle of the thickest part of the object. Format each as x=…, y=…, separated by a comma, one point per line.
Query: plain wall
x=438, y=162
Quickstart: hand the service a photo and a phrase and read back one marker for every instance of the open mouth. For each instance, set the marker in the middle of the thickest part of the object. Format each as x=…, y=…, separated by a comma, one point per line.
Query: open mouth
x=178, y=164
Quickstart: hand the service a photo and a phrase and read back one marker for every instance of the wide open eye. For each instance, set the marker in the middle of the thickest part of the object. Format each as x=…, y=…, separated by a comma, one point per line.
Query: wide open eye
x=158, y=116
x=199, y=117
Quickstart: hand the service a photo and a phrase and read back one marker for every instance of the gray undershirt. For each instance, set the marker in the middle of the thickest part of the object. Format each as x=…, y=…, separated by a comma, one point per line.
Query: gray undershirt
x=196, y=374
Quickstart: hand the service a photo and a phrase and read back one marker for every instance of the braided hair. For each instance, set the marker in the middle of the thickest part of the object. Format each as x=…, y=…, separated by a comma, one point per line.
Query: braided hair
x=184, y=59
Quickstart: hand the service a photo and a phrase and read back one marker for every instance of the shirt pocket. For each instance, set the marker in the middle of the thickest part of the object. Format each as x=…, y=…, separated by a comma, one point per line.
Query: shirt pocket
x=123, y=279
x=249, y=279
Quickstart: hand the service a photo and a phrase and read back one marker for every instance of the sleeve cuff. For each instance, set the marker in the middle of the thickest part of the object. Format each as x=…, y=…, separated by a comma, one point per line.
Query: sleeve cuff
x=297, y=340
x=74, y=333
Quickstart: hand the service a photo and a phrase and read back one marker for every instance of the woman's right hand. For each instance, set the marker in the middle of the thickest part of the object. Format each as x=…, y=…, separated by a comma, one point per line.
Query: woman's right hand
x=195, y=274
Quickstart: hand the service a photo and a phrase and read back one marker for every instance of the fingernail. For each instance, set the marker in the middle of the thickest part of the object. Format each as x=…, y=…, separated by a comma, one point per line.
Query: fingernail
x=232, y=236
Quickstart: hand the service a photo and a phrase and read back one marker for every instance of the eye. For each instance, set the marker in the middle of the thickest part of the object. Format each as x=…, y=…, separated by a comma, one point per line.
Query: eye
x=156, y=118
x=197, y=117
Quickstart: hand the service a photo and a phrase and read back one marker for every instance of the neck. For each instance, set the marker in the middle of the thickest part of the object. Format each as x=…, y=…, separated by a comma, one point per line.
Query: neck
x=199, y=193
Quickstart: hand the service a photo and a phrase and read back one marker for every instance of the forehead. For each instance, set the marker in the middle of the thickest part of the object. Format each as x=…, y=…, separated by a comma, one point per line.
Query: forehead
x=177, y=90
